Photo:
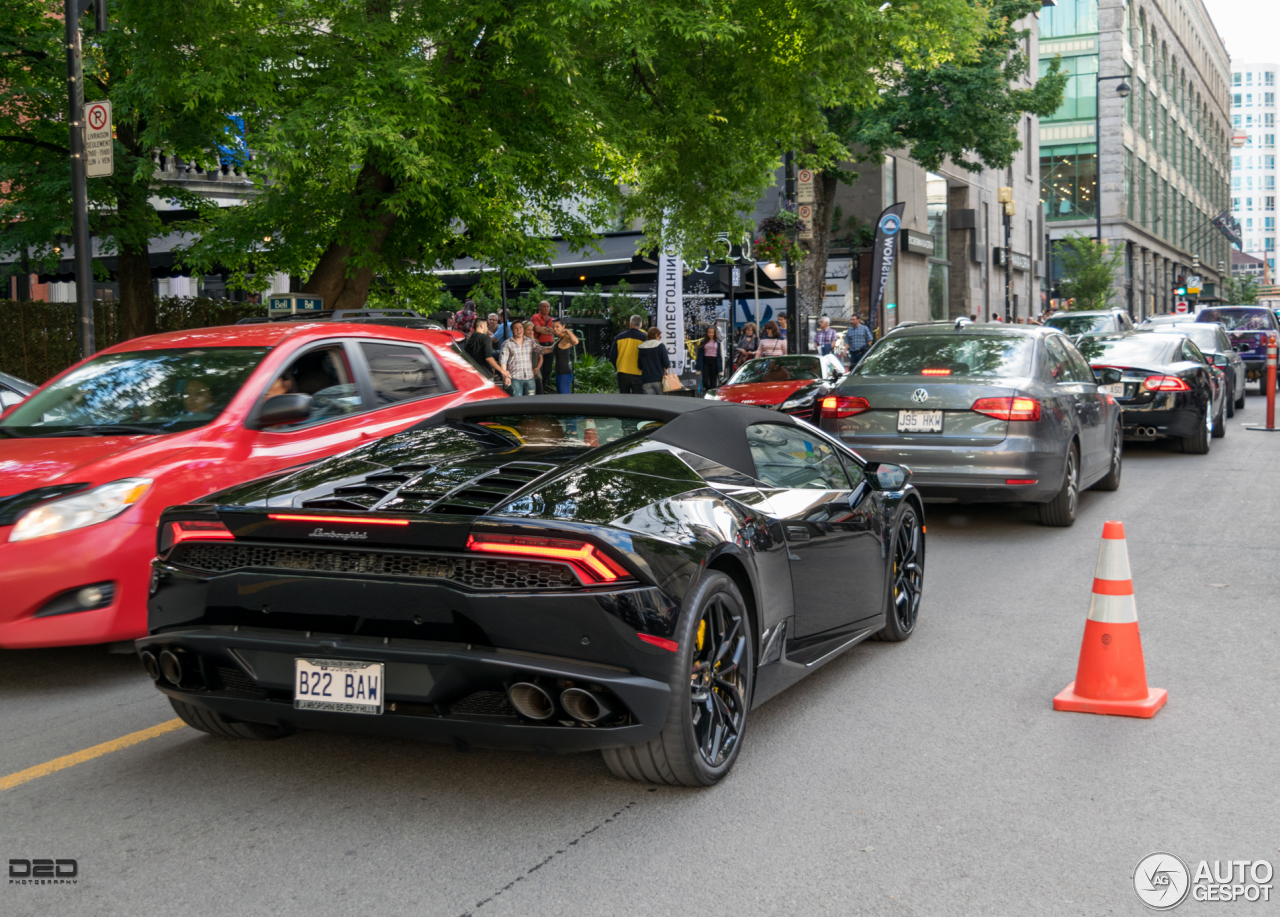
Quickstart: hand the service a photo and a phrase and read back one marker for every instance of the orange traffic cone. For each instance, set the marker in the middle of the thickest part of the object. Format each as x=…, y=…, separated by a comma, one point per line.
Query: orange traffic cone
x=1112, y=677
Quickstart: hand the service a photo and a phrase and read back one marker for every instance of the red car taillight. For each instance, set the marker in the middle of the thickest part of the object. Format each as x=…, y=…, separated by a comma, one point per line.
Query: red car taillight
x=1019, y=408
x=198, y=530
x=935, y=372
x=1165, y=384
x=837, y=406
x=592, y=565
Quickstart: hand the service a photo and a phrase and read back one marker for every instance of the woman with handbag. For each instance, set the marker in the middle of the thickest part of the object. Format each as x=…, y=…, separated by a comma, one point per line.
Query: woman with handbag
x=772, y=344
x=654, y=363
x=710, y=358
x=748, y=344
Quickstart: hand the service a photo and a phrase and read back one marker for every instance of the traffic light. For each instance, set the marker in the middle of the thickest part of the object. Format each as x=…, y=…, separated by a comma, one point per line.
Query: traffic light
x=1180, y=286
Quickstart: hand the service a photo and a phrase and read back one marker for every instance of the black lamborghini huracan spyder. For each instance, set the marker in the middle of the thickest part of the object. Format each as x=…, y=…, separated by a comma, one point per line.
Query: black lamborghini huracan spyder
x=631, y=574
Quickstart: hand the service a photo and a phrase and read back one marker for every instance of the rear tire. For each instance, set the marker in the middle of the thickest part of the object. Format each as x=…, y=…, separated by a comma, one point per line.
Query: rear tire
x=1112, y=480
x=217, y=725
x=1239, y=402
x=906, y=579
x=1198, y=442
x=1219, y=425
x=1060, y=512
x=711, y=682
x=1231, y=402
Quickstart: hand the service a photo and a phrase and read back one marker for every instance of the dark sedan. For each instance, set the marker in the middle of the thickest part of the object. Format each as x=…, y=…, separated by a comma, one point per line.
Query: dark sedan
x=1170, y=389
x=563, y=573
x=983, y=413
x=1249, y=328
x=1212, y=341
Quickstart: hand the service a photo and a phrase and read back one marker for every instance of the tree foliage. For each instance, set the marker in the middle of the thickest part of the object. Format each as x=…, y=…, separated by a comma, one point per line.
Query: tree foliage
x=1241, y=291
x=1089, y=270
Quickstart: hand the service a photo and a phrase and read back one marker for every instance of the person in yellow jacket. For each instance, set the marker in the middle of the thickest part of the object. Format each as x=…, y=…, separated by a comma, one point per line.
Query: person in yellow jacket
x=624, y=353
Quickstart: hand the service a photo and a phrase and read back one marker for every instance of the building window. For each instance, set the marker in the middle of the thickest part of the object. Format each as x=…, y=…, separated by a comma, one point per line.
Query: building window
x=1269, y=99
x=1270, y=243
x=1235, y=120
x=1069, y=182
x=939, y=280
x=1270, y=182
x=1269, y=224
x=1235, y=183
x=936, y=204
x=1248, y=203
x=1235, y=162
x=1269, y=161
x=1270, y=203
x=1269, y=120
x=1248, y=224
x=1080, y=95
x=1128, y=182
x=1235, y=203
x=1270, y=77
x=1069, y=17
x=1235, y=79
x=1268, y=140
x=1235, y=100
x=1248, y=100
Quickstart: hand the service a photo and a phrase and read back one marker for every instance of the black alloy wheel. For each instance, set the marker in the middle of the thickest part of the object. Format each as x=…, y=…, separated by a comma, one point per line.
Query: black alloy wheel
x=906, y=579
x=1061, y=510
x=713, y=672
x=1112, y=480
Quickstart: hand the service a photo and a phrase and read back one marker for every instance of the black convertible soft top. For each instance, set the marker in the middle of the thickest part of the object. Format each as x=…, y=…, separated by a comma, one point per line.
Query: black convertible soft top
x=713, y=429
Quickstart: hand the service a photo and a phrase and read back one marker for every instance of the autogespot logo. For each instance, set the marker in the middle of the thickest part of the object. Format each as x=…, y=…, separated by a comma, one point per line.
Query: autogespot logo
x=1161, y=881
x=890, y=223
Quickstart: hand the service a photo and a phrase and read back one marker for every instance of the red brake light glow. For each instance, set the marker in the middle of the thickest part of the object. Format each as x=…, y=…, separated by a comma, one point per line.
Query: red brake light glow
x=1165, y=384
x=1019, y=408
x=199, y=530
x=592, y=565
x=349, y=520
x=838, y=406
x=1020, y=481
x=935, y=372
x=660, y=642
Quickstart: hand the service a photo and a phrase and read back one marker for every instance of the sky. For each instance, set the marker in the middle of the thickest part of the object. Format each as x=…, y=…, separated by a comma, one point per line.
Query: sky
x=1250, y=28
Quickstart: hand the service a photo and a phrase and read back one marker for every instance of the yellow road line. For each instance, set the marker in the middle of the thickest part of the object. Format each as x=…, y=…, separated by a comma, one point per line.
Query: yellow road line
x=97, y=751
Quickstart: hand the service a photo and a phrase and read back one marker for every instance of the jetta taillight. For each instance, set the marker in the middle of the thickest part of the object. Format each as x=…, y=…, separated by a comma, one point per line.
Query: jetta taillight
x=198, y=530
x=837, y=406
x=1165, y=384
x=1019, y=408
x=592, y=565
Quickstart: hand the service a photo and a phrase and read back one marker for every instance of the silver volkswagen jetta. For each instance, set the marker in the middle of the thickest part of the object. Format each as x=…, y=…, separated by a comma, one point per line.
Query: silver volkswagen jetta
x=984, y=413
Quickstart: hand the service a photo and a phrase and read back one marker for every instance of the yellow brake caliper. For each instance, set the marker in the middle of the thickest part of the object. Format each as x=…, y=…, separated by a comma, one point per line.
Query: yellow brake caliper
x=702, y=633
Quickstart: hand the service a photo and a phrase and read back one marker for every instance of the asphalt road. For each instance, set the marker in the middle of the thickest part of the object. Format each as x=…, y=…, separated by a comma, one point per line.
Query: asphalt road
x=930, y=777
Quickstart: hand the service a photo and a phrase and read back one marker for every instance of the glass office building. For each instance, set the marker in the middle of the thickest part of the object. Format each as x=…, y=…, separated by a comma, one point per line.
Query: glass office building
x=1253, y=162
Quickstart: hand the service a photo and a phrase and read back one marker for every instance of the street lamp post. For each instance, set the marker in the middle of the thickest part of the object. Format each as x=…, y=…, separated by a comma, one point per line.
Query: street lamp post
x=1122, y=91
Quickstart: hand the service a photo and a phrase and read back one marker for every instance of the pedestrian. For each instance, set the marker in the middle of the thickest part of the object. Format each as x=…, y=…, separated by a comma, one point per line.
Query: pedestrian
x=782, y=327
x=542, y=322
x=710, y=359
x=995, y=317
x=502, y=330
x=859, y=339
x=623, y=353
x=538, y=351
x=562, y=355
x=748, y=343
x=653, y=361
x=464, y=319
x=771, y=344
x=479, y=346
x=824, y=339
x=517, y=361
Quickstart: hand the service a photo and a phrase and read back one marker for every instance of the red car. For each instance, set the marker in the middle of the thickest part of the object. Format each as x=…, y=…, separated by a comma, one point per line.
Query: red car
x=90, y=459
x=792, y=384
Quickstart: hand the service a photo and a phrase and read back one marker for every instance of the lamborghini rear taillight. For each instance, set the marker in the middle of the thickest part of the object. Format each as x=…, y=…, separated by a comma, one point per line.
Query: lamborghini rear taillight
x=592, y=565
x=199, y=530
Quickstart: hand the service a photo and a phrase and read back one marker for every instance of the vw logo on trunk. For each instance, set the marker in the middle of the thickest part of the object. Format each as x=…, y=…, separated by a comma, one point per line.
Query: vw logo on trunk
x=919, y=396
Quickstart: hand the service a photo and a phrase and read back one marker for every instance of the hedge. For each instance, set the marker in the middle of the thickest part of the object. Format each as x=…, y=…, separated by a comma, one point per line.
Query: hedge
x=38, y=340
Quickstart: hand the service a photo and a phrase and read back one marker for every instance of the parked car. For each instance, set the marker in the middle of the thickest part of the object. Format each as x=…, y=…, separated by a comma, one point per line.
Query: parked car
x=90, y=459
x=983, y=413
x=792, y=384
x=1248, y=328
x=1212, y=341
x=1170, y=389
x=1166, y=318
x=13, y=390
x=632, y=574
x=1074, y=324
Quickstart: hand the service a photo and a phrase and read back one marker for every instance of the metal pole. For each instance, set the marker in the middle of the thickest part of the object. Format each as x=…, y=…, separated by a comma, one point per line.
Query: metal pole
x=793, y=320
x=1008, y=265
x=79, y=181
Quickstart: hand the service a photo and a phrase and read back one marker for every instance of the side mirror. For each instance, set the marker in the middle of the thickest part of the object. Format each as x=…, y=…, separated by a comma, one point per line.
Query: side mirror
x=283, y=409
x=884, y=476
x=1108, y=375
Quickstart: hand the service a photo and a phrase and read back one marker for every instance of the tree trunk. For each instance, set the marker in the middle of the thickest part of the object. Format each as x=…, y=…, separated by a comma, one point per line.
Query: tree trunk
x=340, y=286
x=811, y=279
x=137, y=297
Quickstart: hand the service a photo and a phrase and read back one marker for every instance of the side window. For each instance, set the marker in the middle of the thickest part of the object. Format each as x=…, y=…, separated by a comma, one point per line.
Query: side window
x=853, y=470
x=1191, y=352
x=1224, y=345
x=400, y=373
x=1126, y=323
x=1079, y=366
x=790, y=457
x=1056, y=365
x=326, y=376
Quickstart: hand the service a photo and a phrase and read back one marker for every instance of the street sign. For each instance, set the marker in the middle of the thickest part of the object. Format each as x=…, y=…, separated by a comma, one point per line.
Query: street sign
x=1181, y=307
x=99, y=151
x=805, y=193
x=293, y=303
x=1193, y=285
x=737, y=277
x=805, y=212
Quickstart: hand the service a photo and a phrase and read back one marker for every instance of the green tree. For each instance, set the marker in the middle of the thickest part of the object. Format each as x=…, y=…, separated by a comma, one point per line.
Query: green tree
x=35, y=209
x=965, y=110
x=1089, y=270
x=1242, y=291
x=395, y=136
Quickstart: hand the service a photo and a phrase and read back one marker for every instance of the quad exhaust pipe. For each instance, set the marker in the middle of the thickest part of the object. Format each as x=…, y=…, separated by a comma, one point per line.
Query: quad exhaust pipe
x=531, y=701
x=1148, y=432
x=585, y=706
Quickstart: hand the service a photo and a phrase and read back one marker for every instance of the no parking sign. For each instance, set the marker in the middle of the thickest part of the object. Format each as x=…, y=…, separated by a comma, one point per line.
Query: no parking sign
x=99, y=151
